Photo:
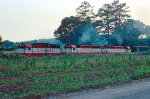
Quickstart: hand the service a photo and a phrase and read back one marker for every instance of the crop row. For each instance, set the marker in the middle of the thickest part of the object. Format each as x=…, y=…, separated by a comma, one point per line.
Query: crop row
x=28, y=76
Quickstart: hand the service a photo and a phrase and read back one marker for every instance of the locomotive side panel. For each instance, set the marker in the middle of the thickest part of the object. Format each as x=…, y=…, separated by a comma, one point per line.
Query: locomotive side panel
x=20, y=51
x=96, y=51
x=38, y=51
x=43, y=49
x=116, y=50
x=68, y=50
x=55, y=51
x=83, y=51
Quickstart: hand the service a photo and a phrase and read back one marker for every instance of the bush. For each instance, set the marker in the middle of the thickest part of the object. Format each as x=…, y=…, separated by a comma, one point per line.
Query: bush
x=10, y=55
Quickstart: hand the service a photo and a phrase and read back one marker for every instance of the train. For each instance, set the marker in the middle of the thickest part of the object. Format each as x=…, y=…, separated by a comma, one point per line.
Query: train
x=46, y=49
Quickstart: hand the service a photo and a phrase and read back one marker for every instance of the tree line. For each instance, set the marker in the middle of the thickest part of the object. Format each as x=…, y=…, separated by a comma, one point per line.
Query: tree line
x=111, y=25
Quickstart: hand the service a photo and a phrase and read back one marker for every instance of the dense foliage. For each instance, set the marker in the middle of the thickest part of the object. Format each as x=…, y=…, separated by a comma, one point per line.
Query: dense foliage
x=109, y=26
x=69, y=30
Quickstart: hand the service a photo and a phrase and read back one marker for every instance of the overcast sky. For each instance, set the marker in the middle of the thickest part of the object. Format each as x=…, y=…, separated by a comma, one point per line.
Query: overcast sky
x=22, y=20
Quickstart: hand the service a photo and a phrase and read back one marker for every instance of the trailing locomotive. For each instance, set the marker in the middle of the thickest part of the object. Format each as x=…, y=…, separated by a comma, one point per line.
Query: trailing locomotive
x=45, y=49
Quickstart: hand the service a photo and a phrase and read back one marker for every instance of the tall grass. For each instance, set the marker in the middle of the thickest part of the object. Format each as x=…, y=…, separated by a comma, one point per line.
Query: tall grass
x=53, y=75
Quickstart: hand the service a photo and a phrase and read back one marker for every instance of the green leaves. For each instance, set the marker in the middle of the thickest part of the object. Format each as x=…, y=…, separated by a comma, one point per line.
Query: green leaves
x=112, y=15
x=85, y=11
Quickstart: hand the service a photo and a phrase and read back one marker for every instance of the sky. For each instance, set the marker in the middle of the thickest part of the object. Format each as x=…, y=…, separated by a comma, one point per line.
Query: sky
x=22, y=20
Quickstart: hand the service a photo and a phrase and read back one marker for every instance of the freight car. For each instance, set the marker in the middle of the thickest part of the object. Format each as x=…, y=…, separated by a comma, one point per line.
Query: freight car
x=44, y=49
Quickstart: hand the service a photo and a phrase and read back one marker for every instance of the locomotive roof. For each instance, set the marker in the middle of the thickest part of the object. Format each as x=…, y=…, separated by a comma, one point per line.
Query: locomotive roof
x=40, y=43
x=24, y=45
x=44, y=44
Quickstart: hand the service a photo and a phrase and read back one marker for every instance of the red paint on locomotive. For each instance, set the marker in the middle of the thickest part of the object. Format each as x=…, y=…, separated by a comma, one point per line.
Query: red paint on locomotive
x=45, y=49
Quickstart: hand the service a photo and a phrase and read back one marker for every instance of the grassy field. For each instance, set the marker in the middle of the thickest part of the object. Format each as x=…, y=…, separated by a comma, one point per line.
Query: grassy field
x=35, y=76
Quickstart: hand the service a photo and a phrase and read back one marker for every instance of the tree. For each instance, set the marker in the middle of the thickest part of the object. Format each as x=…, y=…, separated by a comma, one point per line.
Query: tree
x=0, y=39
x=120, y=13
x=8, y=45
x=68, y=31
x=112, y=15
x=106, y=16
x=0, y=43
x=129, y=33
x=87, y=30
x=74, y=31
x=85, y=11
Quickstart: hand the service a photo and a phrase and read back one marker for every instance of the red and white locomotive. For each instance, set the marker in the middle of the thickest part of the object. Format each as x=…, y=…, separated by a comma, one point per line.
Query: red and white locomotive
x=44, y=49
